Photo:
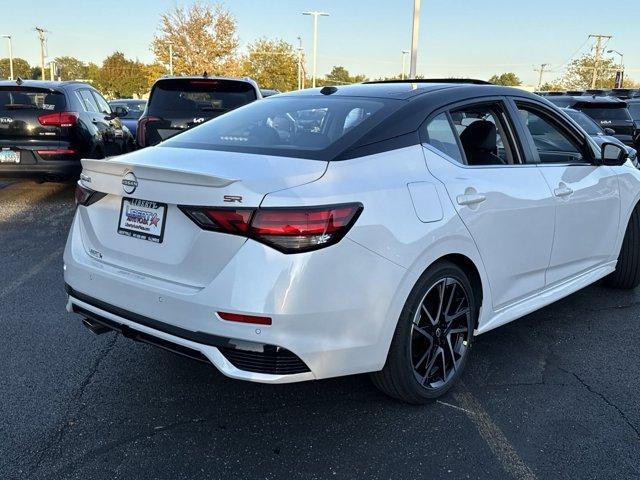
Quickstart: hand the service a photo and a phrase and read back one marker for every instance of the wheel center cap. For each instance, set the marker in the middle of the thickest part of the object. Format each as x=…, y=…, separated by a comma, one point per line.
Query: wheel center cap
x=438, y=332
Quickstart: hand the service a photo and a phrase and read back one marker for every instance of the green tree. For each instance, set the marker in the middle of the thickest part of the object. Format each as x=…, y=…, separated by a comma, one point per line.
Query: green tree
x=203, y=39
x=21, y=68
x=70, y=68
x=119, y=77
x=508, y=79
x=339, y=75
x=272, y=63
x=579, y=73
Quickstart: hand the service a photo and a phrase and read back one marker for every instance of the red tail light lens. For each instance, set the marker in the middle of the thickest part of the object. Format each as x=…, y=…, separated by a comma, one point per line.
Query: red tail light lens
x=141, y=131
x=58, y=119
x=85, y=196
x=289, y=230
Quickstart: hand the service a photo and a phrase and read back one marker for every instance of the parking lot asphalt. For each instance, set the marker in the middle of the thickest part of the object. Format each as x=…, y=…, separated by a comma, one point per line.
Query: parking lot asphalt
x=553, y=395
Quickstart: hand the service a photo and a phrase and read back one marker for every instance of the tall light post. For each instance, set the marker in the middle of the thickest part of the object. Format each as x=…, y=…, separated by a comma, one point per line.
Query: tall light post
x=8, y=37
x=621, y=66
x=170, y=58
x=315, y=16
x=404, y=62
x=299, y=63
x=414, y=38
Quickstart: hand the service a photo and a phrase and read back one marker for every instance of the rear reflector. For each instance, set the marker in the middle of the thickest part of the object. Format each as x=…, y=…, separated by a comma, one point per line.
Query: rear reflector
x=58, y=119
x=236, y=317
x=289, y=230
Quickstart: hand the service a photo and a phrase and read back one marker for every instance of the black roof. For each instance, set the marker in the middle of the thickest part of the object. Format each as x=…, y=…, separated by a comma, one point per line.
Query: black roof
x=46, y=84
x=406, y=90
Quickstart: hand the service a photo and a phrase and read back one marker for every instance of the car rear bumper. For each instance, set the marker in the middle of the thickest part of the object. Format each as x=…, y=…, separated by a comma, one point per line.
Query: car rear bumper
x=59, y=169
x=333, y=311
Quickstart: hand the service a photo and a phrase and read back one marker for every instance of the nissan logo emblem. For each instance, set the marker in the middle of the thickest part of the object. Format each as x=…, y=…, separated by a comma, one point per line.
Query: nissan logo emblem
x=129, y=182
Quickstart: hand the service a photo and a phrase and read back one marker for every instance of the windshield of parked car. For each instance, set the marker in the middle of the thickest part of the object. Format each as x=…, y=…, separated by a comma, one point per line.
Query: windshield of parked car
x=192, y=96
x=598, y=112
x=305, y=126
x=135, y=109
x=589, y=126
x=26, y=98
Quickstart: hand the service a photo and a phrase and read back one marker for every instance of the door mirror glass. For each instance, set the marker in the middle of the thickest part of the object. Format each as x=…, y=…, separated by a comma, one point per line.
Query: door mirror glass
x=613, y=154
x=120, y=111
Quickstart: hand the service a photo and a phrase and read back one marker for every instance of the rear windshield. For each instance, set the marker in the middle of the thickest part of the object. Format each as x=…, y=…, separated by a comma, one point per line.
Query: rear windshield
x=135, y=108
x=16, y=98
x=589, y=126
x=199, y=96
x=634, y=110
x=316, y=127
x=606, y=113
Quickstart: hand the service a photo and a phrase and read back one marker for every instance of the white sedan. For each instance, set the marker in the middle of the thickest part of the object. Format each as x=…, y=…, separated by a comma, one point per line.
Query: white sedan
x=367, y=228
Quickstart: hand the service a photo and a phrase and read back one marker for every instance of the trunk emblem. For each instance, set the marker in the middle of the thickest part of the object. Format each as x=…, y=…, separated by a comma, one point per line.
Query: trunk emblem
x=233, y=198
x=129, y=182
x=6, y=119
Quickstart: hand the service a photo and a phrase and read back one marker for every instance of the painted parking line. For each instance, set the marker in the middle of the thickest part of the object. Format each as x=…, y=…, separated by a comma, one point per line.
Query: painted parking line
x=493, y=436
x=20, y=280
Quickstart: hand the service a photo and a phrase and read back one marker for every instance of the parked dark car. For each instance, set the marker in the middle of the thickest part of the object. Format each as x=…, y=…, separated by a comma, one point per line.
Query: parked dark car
x=129, y=110
x=599, y=134
x=608, y=112
x=178, y=103
x=47, y=127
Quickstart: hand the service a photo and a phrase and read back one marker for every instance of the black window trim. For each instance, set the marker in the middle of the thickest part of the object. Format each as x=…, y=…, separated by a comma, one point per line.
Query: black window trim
x=567, y=127
x=512, y=131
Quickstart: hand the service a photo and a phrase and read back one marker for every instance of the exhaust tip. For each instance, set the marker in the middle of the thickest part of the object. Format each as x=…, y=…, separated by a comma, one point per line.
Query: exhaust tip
x=95, y=327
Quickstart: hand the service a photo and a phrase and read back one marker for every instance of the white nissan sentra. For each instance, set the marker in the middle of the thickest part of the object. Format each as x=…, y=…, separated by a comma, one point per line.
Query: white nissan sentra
x=367, y=228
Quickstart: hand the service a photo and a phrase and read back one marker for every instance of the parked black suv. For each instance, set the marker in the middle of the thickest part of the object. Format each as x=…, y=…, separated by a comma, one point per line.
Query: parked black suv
x=608, y=112
x=179, y=103
x=47, y=127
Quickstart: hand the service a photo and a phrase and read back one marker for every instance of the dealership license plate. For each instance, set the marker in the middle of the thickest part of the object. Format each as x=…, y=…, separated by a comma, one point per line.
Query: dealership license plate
x=9, y=156
x=142, y=219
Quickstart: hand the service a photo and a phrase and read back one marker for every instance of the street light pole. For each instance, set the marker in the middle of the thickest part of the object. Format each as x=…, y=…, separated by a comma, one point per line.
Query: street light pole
x=299, y=63
x=315, y=16
x=8, y=37
x=170, y=58
x=621, y=66
x=404, y=62
x=414, y=38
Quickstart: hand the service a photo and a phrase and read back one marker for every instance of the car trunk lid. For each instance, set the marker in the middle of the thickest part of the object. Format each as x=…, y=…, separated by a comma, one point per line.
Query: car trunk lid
x=165, y=178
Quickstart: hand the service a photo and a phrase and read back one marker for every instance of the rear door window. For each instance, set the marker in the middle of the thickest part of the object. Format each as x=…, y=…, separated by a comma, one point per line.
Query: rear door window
x=31, y=99
x=440, y=135
x=103, y=106
x=88, y=101
x=193, y=96
x=606, y=113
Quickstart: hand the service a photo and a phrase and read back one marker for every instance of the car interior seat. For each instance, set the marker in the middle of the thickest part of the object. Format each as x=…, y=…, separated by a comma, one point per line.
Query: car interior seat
x=479, y=141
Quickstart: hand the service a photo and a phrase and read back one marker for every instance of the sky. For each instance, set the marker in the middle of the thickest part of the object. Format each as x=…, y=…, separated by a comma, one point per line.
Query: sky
x=458, y=38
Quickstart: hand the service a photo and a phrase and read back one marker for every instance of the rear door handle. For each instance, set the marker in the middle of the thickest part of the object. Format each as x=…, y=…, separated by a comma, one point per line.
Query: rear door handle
x=563, y=190
x=470, y=199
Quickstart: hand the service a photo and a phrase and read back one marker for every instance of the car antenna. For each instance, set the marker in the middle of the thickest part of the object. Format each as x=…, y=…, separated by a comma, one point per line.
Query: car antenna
x=205, y=74
x=19, y=81
x=328, y=90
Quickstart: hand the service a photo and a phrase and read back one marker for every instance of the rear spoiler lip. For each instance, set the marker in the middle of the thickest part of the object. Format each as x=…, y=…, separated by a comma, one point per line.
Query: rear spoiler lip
x=154, y=173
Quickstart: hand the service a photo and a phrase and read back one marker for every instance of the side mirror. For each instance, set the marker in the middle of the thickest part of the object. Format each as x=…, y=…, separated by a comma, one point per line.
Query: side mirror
x=609, y=131
x=120, y=111
x=613, y=154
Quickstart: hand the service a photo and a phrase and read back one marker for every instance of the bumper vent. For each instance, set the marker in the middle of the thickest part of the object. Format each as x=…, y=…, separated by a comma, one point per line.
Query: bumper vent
x=272, y=361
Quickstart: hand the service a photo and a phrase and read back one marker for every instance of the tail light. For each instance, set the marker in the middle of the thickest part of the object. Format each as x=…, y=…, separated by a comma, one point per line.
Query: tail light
x=85, y=196
x=58, y=153
x=289, y=230
x=58, y=119
x=141, y=131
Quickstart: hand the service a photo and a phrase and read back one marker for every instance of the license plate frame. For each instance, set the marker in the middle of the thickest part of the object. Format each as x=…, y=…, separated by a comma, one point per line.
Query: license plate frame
x=139, y=223
x=10, y=157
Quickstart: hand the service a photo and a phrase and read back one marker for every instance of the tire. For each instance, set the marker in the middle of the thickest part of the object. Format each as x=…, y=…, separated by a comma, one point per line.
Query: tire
x=627, y=273
x=406, y=375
